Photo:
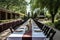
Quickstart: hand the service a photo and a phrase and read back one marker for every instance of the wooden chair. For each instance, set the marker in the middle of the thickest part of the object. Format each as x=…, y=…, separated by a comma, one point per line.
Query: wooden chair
x=44, y=28
x=51, y=34
x=11, y=29
x=40, y=25
x=47, y=30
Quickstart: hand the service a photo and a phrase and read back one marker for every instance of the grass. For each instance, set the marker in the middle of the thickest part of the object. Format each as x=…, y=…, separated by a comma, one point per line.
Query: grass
x=55, y=25
x=49, y=23
x=8, y=20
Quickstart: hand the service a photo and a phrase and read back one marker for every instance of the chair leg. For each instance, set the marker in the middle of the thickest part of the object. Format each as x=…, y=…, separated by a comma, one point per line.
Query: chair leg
x=51, y=39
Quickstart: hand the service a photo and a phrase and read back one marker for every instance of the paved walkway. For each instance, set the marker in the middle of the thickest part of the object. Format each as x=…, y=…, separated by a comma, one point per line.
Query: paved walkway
x=4, y=34
x=57, y=35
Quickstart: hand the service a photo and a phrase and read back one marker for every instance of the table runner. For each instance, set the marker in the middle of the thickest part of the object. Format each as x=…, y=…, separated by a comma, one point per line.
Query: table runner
x=27, y=35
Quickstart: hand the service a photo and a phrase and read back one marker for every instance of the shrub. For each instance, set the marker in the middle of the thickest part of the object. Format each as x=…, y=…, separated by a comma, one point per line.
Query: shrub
x=57, y=25
x=48, y=15
x=49, y=24
x=0, y=21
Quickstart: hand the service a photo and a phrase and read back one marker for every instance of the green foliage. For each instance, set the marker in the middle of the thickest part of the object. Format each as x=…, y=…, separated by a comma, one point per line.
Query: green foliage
x=51, y=5
x=14, y=5
x=49, y=24
x=57, y=25
x=48, y=15
x=25, y=17
x=58, y=16
x=34, y=5
x=0, y=21
x=28, y=15
x=35, y=15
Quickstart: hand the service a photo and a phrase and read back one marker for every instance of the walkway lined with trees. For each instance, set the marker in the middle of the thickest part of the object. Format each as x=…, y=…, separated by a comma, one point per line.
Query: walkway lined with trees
x=14, y=13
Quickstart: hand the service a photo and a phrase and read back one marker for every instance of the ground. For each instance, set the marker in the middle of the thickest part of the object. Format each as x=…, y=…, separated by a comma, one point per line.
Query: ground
x=57, y=35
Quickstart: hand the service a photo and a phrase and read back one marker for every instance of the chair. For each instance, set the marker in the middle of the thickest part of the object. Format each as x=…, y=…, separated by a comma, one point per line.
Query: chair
x=40, y=25
x=11, y=29
x=51, y=34
x=13, y=25
x=47, y=30
x=44, y=28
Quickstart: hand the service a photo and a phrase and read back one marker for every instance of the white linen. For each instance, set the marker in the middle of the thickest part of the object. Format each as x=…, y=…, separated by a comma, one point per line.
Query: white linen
x=18, y=35
x=35, y=35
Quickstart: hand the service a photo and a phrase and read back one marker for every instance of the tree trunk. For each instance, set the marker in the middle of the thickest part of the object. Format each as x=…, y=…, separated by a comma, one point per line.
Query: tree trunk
x=53, y=16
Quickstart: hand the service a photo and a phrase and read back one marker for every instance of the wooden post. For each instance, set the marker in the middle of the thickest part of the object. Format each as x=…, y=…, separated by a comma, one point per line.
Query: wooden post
x=11, y=15
x=0, y=15
x=6, y=15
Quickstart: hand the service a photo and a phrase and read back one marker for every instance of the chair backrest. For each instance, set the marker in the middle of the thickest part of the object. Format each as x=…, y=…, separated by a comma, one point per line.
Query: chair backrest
x=15, y=27
x=11, y=29
x=47, y=30
x=51, y=34
x=40, y=24
x=44, y=28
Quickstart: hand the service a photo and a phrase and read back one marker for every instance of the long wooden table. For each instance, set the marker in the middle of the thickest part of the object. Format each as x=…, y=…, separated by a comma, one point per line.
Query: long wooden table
x=31, y=35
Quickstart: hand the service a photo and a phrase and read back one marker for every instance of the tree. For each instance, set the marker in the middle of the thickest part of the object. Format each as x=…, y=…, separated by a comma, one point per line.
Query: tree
x=28, y=15
x=14, y=5
x=34, y=5
x=35, y=15
x=51, y=5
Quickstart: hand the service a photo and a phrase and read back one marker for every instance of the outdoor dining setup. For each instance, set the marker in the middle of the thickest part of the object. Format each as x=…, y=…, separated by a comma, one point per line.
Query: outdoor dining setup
x=31, y=30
